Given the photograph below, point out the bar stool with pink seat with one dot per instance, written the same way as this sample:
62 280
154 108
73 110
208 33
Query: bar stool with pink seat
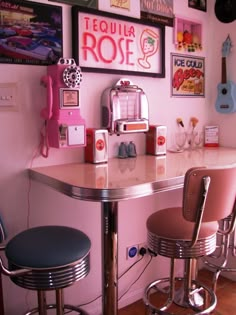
189 233
224 257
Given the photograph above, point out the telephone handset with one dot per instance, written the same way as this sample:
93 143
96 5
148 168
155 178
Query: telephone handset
46 113
64 126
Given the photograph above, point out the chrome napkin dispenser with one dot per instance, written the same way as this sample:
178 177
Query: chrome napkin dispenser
124 108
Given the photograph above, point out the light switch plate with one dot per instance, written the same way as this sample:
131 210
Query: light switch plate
8 96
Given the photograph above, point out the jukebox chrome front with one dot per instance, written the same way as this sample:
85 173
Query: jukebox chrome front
124 108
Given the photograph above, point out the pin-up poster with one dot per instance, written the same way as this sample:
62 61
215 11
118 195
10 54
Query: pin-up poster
188 76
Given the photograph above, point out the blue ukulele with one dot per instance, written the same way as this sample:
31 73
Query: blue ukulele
226 99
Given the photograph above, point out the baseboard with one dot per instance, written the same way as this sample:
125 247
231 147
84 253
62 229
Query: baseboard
131 297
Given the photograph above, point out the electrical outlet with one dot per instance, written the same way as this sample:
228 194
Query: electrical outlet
142 245
132 252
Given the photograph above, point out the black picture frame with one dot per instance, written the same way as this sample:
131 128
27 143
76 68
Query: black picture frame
198 4
33 35
108 43
85 3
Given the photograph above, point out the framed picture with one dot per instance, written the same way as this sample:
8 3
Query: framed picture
125 7
198 4
187 76
109 43
158 11
85 3
30 33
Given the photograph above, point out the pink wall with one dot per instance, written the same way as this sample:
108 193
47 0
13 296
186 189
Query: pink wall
20 138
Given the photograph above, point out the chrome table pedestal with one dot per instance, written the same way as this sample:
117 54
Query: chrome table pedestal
110 257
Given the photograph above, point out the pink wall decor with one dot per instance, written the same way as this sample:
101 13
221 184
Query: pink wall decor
187 35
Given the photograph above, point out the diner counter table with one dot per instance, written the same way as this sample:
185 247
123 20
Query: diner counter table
123 179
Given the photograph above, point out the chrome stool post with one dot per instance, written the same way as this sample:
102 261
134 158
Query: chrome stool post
60 302
42 306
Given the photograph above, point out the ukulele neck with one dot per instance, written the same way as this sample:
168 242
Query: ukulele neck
223 71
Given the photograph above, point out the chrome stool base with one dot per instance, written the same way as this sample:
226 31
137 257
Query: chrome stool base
196 300
59 306
53 306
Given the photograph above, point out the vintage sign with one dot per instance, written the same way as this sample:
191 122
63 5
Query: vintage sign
104 42
125 4
129 8
158 11
199 5
188 75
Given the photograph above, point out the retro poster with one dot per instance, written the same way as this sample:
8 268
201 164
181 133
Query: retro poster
188 76
30 33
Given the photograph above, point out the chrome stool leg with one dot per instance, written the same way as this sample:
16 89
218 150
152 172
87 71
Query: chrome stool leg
60 302
188 294
42 304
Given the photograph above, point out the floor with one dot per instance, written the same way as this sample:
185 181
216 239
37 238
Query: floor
226 299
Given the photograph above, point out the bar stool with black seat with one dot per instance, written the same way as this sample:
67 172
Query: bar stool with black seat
48 258
188 233
224 257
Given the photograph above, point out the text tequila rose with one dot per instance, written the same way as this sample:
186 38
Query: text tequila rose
108 41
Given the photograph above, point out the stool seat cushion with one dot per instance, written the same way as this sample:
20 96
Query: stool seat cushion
47 247
169 223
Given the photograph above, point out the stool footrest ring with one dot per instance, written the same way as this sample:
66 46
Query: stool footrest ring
199 289
53 306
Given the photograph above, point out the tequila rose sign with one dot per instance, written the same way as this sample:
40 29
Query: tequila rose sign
105 42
